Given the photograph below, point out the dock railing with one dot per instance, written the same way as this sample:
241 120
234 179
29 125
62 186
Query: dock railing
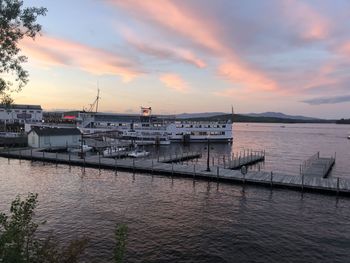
315 159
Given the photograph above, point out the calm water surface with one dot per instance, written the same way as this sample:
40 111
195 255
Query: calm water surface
184 221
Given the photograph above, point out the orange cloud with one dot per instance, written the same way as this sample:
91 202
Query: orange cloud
58 52
175 82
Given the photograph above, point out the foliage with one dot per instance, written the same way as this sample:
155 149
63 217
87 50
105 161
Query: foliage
121 234
20 244
16 22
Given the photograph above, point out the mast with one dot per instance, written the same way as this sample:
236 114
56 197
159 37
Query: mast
98 97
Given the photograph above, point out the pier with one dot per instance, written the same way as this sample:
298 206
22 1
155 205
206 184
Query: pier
249 158
175 158
316 166
335 186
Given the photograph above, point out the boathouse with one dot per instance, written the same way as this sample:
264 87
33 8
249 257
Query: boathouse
46 137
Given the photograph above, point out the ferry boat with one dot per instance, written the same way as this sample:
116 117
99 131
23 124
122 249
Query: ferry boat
154 129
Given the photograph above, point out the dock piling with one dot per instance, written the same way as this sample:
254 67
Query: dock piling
337 185
271 179
302 182
115 166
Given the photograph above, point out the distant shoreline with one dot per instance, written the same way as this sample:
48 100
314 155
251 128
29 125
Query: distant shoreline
251 119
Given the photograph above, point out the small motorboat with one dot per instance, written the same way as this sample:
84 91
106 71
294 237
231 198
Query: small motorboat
138 153
113 151
84 148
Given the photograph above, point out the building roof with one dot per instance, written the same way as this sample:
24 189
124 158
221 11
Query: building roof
48 131
21 107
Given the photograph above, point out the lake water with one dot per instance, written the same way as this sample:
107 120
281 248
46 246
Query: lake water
178 220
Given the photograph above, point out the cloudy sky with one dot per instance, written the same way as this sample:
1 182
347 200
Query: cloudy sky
192 56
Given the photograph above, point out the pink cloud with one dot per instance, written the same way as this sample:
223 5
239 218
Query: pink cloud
253 80
344 49
175 82
168 53
185 22
59 52
310 23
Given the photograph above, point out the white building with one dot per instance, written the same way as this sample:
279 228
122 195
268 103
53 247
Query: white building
18 113
43 137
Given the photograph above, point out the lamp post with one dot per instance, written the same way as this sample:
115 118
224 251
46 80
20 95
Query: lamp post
208 154
82 147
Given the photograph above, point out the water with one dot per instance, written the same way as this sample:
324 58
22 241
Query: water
286 146
184 221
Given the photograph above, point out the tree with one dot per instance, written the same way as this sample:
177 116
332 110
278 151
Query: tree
19 242
121 235
16 23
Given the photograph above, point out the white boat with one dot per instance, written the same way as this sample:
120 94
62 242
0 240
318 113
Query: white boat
85 149
10 134
113 151
138 153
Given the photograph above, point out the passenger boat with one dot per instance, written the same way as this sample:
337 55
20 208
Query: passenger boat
146 128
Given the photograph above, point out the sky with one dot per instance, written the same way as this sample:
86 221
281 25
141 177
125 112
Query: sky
180 56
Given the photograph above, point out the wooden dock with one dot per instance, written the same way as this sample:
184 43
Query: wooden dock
317 166
196 171
252 157
176 158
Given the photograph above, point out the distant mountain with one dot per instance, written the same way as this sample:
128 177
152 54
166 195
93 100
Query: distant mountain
261 119
198 115
280 116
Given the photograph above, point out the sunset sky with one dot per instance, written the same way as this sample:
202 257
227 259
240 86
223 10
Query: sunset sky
192 56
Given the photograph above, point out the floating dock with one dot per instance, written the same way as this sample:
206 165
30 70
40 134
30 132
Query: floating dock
336 186
317 166
252 157
176 158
